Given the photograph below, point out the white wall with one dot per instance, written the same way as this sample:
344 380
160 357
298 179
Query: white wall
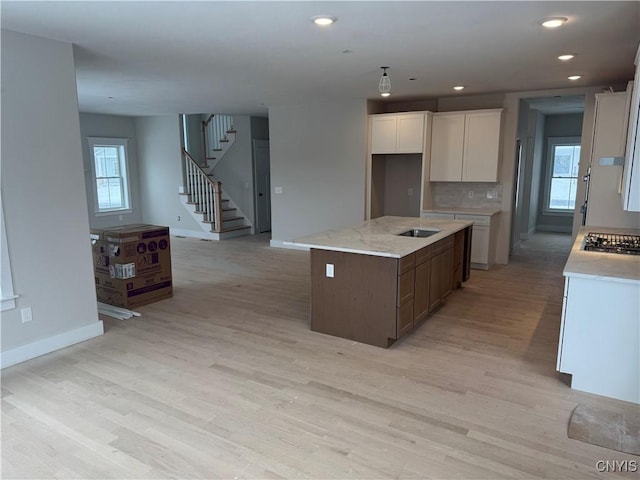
44 200
318 157
111 126
402 172
235 169
160 165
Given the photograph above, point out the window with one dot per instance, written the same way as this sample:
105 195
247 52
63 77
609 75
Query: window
562 178
7 298
110 174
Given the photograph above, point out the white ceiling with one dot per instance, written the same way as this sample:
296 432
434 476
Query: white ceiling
158 57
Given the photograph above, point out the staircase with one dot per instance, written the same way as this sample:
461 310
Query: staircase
218 135
202 195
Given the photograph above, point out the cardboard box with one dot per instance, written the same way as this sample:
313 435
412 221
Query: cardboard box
132 264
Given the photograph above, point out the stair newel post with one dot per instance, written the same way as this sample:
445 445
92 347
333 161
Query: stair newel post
217 205
210 204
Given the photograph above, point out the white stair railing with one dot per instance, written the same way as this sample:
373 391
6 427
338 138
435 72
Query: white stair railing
216 128
204 192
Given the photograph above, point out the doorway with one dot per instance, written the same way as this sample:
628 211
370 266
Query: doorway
537 176
262 185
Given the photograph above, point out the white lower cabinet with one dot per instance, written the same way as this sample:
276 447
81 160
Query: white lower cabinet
482 237
599 342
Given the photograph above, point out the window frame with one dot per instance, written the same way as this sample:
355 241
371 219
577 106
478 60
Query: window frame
122 144
553 142
7 295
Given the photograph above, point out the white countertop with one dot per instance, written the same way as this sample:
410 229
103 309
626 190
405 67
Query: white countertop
462 210
602 266
380 236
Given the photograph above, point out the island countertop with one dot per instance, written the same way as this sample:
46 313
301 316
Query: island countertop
612 267
380 237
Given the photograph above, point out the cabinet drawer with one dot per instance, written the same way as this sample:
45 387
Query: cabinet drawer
476 219
406 263
423 255
441 246
442 216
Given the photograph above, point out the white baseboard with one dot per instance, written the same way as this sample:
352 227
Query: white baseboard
285 244
51 344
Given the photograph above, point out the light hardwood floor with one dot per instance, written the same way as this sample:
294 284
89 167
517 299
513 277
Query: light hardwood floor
226 380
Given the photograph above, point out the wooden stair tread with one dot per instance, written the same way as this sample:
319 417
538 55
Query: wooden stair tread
230 219
231 229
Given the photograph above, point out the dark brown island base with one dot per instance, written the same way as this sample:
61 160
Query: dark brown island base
371 284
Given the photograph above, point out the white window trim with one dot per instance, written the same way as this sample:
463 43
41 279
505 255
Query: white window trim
121 142
8 300
551 142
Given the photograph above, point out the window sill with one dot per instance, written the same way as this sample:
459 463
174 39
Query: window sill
558 213
124 211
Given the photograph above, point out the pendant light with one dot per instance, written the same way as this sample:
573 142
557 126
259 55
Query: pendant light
384 86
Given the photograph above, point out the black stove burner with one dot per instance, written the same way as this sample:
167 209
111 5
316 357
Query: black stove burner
612 243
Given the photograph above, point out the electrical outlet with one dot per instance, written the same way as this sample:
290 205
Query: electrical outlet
410 192
27 314
470 194
179 218
277 190
120 217
492 193
329 270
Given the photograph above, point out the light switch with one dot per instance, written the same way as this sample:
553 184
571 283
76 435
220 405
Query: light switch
329 270
278 190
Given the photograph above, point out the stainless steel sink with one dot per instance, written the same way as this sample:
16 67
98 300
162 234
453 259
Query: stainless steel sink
418 232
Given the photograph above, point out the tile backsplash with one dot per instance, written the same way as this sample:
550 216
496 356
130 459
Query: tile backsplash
466 194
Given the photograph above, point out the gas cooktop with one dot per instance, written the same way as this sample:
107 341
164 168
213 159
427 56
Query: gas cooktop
612 243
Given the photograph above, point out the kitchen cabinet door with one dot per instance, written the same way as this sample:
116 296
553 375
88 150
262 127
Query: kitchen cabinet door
481 147
631 175
383 134
410 133
440 277
447 144
401 133
480 244
405 302
421 290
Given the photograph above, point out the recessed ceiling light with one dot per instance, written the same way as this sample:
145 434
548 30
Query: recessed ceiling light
324 20
552 22
566 57
575 77
459 87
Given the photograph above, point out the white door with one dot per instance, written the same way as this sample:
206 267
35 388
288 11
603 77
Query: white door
262 185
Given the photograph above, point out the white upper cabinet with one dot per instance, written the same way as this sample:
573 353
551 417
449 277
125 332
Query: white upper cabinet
397 133
465 146
631 175
447 137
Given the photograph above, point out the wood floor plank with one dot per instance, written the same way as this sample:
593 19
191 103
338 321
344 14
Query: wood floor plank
226 380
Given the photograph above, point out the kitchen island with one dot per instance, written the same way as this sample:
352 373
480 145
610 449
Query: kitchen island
373 285
599 342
